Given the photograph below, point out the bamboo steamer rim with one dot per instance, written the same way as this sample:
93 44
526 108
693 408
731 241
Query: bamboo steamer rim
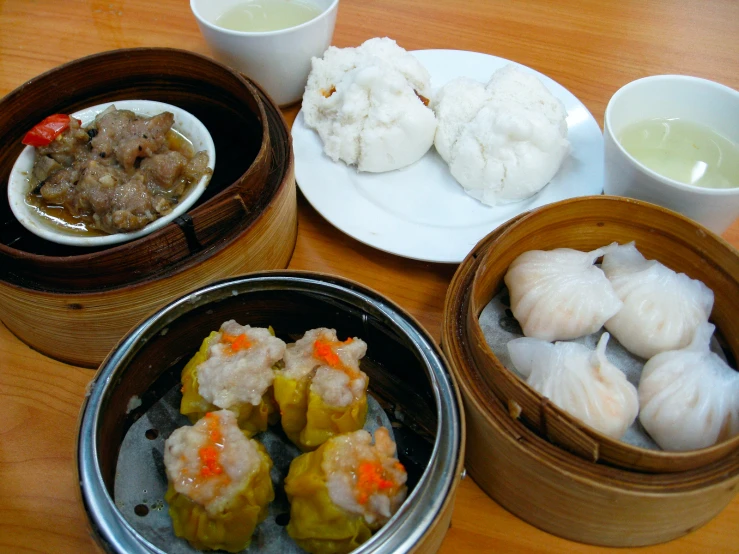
261 103
457 340
100 318
605 448
556 491
456 346
200 256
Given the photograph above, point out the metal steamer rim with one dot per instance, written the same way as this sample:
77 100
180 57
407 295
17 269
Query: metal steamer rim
419 511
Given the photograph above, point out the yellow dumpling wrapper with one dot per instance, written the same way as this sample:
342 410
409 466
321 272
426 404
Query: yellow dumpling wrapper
232 529
307 420
252 419
317 525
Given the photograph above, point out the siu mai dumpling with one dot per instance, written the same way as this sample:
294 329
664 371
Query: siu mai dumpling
690 397
578 380
560 294
344 491
233 370
321 392
662 309
219 483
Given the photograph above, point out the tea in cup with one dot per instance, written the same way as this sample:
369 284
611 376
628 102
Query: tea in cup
673 140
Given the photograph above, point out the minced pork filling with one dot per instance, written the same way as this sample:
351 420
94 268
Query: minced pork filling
238 368
363 478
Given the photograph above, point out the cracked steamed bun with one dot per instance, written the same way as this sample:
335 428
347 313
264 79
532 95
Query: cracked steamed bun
503 141
368 105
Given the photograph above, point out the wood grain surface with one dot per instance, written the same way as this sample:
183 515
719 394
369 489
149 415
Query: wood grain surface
592 47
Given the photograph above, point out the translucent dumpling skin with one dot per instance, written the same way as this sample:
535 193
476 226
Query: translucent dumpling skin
580 381
690 397
560 294
662 309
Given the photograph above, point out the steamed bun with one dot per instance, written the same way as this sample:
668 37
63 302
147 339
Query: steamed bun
503 141
368 105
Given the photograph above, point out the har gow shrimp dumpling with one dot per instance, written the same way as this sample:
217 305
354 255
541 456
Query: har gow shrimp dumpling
580 381
662 309
560 294
690 397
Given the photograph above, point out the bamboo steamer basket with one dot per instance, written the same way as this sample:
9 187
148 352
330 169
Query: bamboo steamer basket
74 303
407 374
586 224
565 489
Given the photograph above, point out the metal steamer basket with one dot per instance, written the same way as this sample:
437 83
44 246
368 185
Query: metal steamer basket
408 379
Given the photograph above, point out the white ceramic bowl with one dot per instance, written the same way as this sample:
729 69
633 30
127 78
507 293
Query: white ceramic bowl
19 184
671 96
279 61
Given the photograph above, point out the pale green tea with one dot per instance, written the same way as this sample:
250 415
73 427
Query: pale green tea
684 151
267 15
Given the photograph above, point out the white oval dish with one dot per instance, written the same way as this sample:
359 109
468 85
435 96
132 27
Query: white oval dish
18 182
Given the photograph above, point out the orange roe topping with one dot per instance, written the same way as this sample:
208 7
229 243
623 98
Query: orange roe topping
214 429
209 459
371 478
209 454
237 342
323 350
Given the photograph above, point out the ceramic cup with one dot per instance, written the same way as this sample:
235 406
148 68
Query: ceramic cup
278 60
671 96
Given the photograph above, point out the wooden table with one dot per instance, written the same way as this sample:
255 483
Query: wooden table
592 47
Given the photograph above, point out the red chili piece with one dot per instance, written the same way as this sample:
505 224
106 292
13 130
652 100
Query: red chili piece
46 131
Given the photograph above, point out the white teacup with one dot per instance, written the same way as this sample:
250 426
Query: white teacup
671 96
279 61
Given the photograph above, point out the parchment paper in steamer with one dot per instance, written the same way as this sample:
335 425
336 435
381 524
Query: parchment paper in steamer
499 326
141 481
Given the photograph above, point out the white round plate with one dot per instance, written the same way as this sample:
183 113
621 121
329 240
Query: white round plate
47 227
420 211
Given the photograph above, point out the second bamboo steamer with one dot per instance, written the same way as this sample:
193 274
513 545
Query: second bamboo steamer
74 304
549 469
